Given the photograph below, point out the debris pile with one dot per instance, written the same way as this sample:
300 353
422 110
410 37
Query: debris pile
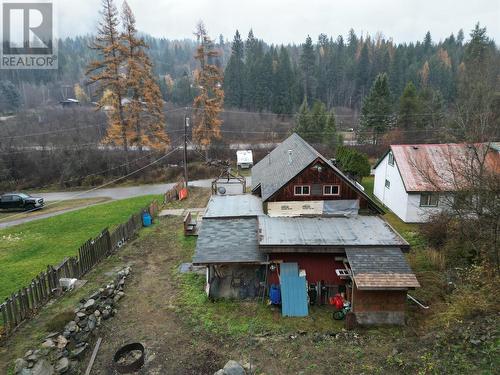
60 351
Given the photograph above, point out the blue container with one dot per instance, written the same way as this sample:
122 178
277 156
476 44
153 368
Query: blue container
275 294
147 220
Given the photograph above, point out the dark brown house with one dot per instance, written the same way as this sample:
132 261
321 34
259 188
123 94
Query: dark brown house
295 171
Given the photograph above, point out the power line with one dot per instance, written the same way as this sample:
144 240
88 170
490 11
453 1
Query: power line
50 132
103 185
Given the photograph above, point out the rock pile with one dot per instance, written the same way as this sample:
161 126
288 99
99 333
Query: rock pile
60 351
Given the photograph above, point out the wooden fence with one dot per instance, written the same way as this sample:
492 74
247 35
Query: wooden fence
27 301
173 194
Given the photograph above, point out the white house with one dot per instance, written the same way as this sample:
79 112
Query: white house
417 181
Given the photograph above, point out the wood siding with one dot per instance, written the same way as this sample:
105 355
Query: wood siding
379 300
316 180
319 267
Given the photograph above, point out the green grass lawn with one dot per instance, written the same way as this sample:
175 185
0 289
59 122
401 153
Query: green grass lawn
27 249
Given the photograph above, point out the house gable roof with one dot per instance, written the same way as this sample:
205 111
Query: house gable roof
437 167
286 161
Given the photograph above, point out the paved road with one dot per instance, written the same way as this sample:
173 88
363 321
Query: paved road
119 192
113 193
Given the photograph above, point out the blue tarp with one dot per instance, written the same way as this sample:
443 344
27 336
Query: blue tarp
293 291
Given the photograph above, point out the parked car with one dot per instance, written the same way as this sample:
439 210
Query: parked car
20 201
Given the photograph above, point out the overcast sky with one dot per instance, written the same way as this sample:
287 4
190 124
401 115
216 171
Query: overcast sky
284 21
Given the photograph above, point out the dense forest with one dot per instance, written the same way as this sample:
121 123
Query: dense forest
339 71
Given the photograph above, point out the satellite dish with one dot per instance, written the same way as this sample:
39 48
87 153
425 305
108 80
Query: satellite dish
221 190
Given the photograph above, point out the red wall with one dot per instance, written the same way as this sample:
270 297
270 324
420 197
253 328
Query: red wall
318 267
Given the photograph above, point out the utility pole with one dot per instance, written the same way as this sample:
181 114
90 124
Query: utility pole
186 125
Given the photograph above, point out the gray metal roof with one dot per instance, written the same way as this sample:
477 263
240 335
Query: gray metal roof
331 231
380 268
228 241
279 166
243 205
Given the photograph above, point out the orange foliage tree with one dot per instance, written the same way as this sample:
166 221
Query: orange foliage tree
144 110
207 105
107 72
124 71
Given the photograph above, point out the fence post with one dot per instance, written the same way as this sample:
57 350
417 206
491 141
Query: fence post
3 308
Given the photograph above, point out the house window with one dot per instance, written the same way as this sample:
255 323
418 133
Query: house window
387 184
429 200
391 158
331 190
302 190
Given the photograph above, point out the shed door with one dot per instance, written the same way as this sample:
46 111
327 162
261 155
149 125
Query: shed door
293 291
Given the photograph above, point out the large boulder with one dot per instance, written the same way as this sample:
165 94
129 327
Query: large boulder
233 368
43 367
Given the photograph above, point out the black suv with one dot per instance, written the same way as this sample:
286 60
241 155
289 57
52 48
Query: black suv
20 201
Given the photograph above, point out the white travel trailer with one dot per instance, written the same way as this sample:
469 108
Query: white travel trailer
244 159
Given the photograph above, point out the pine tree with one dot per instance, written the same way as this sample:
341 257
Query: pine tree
10 98
363 72
307 66
283 96
303 121
144 111
479 79
330 136
210 100
106 72
377 109
234 75
409 108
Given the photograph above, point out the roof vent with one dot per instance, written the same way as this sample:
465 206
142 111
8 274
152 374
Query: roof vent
290 156
415 147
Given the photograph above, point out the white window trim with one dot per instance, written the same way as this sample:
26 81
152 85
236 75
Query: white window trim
301 186
387 184
390 160
429 197
331 194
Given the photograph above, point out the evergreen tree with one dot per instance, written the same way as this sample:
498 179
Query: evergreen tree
377 109
479 79
10 99
283 96
182 92
409 108
303 121
363 72
234 76
330 136
353 162
307 66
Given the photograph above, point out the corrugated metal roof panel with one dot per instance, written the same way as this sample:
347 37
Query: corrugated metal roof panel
439 167
380 268
332 231
228 241
244 205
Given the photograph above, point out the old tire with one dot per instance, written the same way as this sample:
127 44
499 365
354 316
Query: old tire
338 315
